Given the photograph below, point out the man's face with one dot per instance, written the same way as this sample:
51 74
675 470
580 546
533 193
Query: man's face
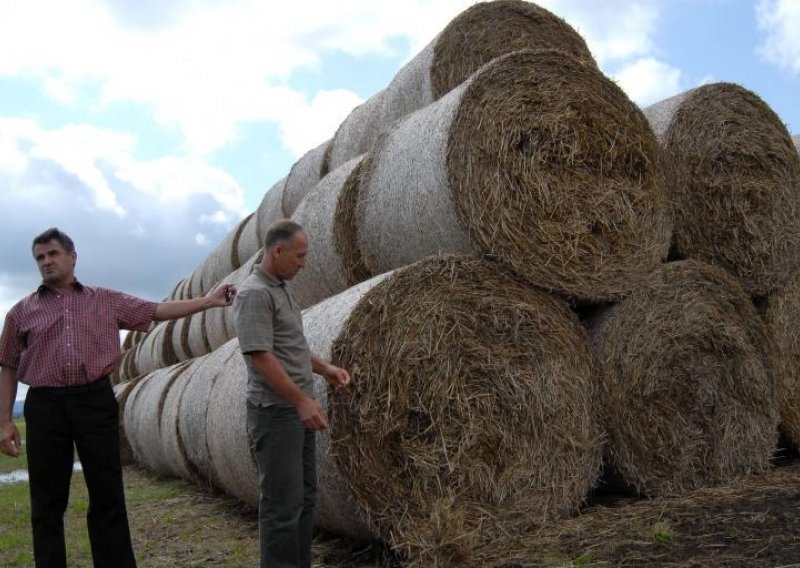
291 257
56 265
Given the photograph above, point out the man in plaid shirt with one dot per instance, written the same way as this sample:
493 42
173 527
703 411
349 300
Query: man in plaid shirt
63 341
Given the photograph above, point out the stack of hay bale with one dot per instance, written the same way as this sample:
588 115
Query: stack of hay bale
455 219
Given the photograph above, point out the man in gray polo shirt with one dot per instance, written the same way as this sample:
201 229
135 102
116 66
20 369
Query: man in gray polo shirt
282 414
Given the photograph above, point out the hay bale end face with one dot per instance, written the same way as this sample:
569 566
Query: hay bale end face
472 412
537 160
687 390
782 317
732 175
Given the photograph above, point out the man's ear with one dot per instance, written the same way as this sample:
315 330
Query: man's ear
74 256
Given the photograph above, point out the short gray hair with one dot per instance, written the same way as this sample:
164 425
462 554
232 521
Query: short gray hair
281 232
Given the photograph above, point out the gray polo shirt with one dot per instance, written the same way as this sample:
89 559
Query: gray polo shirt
269 319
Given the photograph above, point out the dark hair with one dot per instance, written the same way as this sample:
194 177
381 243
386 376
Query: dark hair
280 232
53 234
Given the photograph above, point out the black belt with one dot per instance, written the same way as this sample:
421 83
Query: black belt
99 384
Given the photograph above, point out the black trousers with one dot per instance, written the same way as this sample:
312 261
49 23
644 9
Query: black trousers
58 421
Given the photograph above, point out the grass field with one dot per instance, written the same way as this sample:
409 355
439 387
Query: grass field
754 523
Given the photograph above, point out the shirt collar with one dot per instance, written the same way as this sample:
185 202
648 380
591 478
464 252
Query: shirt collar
268 278
43 289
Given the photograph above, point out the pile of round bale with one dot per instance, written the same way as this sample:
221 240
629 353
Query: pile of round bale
538 288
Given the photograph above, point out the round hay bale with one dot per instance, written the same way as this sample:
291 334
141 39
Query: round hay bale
219 263
219 322
198 334
472 413
193 409
357 133
304 175
121 392
473 38
171 443
355 263
156 350
324 274
688 394
180 339
270 209
732 176
537 160
248 243
229 443
782 315
142 418
796 140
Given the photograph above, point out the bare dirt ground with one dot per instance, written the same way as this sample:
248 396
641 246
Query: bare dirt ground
754 523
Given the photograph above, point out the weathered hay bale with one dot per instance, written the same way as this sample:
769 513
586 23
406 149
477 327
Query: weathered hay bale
142 418
249 242
472 412
171 442
796 140
357 133
324 274
782 316
473 38
229 443
538 160
198 334
156 350
304 175
732 176
193 409
270 209
121 392
687 390
219 322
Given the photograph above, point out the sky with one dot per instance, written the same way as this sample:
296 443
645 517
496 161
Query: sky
146 129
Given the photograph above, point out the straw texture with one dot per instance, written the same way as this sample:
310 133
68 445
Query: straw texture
782 317
121 392
537 160
472 412
324 274
732 177
688 393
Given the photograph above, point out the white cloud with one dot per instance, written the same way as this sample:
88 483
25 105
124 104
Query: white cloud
648 80
781 20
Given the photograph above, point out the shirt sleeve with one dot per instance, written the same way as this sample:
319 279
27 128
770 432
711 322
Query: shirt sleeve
132 313
253 313
10 344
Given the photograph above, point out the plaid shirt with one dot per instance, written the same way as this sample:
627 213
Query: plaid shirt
55 340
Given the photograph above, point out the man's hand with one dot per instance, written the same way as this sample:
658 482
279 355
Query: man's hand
221 296
9 439
337 377
311 414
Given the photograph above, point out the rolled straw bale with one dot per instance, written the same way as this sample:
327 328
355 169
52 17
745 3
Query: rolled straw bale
538 160
180 339
156 350
732 177
142 418
193 409
473 38
229 443
249 241
270 209
687 390
198 334
304 175
171 442
219 322
782 317
121 392
357 133
324 274
472 413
